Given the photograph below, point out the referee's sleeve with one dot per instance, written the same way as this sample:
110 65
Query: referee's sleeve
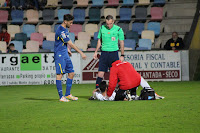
99 34
121 34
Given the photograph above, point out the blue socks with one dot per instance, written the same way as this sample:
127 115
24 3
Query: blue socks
59 87
98 81
68 86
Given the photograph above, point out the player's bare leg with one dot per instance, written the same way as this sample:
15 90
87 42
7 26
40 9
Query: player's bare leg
59 76
71 75
101 74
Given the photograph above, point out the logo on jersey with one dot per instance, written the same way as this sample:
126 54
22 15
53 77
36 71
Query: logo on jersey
113 38
63 35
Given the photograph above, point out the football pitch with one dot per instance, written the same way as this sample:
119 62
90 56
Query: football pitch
32 109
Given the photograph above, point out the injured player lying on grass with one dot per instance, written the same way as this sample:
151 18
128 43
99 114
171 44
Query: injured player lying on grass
128 79
101 94
118 94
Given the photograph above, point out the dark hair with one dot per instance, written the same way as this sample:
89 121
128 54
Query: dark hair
11 44
68 17
109 17
175 32
103 86
4 27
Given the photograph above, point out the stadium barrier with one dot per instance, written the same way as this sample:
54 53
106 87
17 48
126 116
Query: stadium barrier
194 52
39 68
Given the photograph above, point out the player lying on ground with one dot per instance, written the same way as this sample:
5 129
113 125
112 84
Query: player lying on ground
118 94
127 78
63 62
101 93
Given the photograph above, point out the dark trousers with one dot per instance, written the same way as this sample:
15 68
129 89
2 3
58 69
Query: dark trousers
121 94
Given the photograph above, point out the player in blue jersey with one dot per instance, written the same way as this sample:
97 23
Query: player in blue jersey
63 62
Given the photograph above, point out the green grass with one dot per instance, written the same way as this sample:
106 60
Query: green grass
25 109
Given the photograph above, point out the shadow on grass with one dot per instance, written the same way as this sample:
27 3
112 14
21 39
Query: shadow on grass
41 99
84 97
47 99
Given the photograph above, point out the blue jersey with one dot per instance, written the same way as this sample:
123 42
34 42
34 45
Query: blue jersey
61 39
63 62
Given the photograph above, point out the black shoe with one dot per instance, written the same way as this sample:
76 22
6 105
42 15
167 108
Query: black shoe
91 98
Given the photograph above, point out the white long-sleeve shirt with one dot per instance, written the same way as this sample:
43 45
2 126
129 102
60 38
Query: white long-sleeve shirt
99 96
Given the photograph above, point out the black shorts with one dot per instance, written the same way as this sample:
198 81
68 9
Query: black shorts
121 94
106 60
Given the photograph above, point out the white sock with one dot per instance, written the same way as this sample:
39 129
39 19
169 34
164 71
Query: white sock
144 83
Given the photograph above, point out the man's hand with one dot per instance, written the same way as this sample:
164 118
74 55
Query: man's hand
83 56
121 58
107 97
69 52
125 99
95 90
95 56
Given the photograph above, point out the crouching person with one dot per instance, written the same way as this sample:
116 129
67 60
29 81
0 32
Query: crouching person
101 94
127 78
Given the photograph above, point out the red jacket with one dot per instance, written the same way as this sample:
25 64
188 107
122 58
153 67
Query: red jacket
125 73
5 37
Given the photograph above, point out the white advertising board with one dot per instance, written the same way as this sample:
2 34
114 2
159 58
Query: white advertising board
33 69
152 65
39 68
